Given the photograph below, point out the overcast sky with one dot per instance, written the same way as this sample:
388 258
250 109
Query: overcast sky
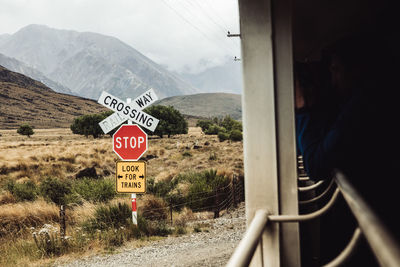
184 35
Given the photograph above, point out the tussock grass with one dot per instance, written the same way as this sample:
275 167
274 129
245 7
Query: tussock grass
20 252
7 198
18 217
166 176
153 208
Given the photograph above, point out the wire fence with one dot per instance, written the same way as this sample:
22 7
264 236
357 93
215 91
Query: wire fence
221 199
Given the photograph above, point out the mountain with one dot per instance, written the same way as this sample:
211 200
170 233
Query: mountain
89 63
206 105
24 100
4 37
226 78
20 67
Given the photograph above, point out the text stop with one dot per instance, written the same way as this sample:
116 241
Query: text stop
129 142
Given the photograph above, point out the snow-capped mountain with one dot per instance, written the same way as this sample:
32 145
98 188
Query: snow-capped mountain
88 63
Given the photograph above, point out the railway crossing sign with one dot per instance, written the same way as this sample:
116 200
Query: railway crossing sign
128 111
130 142
131 177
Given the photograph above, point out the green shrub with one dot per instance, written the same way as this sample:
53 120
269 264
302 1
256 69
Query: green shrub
25 129
222 136
89 124
226 123
159 228
25 191
150 185
142 225
95 190
204 124
201 194
186 154
106 217
113 238
236 135
230 124
176 199
202 188
180 230
73 199
143 228
171 120
215 129
154 208
50 244
162 188
55 190
133 231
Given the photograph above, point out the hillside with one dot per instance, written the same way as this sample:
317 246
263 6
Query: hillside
89 63
20 67
24 100
206 105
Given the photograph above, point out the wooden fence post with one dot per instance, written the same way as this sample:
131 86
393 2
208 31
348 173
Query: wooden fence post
216 209
234 197
62 221
170 209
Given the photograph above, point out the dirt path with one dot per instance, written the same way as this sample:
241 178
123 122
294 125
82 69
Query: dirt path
212 248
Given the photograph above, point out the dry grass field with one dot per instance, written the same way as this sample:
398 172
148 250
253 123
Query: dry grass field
57 153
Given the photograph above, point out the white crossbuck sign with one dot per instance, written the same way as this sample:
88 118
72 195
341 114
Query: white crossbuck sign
132 111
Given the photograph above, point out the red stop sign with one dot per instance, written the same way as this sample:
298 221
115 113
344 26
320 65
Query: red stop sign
130 142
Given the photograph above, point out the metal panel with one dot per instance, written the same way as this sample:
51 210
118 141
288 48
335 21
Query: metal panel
260 159
286 141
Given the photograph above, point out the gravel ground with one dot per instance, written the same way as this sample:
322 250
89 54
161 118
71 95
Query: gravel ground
212 248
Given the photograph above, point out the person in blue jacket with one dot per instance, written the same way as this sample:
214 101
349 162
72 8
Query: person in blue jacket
349 123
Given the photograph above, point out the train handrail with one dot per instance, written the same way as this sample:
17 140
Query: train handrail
383 245
311 187
320 196
385 248
245 250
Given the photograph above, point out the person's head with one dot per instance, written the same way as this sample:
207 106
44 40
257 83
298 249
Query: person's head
310 79
358 62
348 65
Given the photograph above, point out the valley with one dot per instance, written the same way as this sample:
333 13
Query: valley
61 156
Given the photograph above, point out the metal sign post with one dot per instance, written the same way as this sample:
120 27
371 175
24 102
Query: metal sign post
133 195
134 212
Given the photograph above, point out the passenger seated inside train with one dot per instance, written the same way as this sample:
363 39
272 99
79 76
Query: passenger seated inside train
347 119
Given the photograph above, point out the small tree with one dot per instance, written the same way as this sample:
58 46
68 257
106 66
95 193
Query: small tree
230 124
222 136
236 135
171 120
204 124
55 190
89 124
25 129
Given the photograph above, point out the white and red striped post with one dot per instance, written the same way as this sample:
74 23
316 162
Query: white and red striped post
133 196
134 212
